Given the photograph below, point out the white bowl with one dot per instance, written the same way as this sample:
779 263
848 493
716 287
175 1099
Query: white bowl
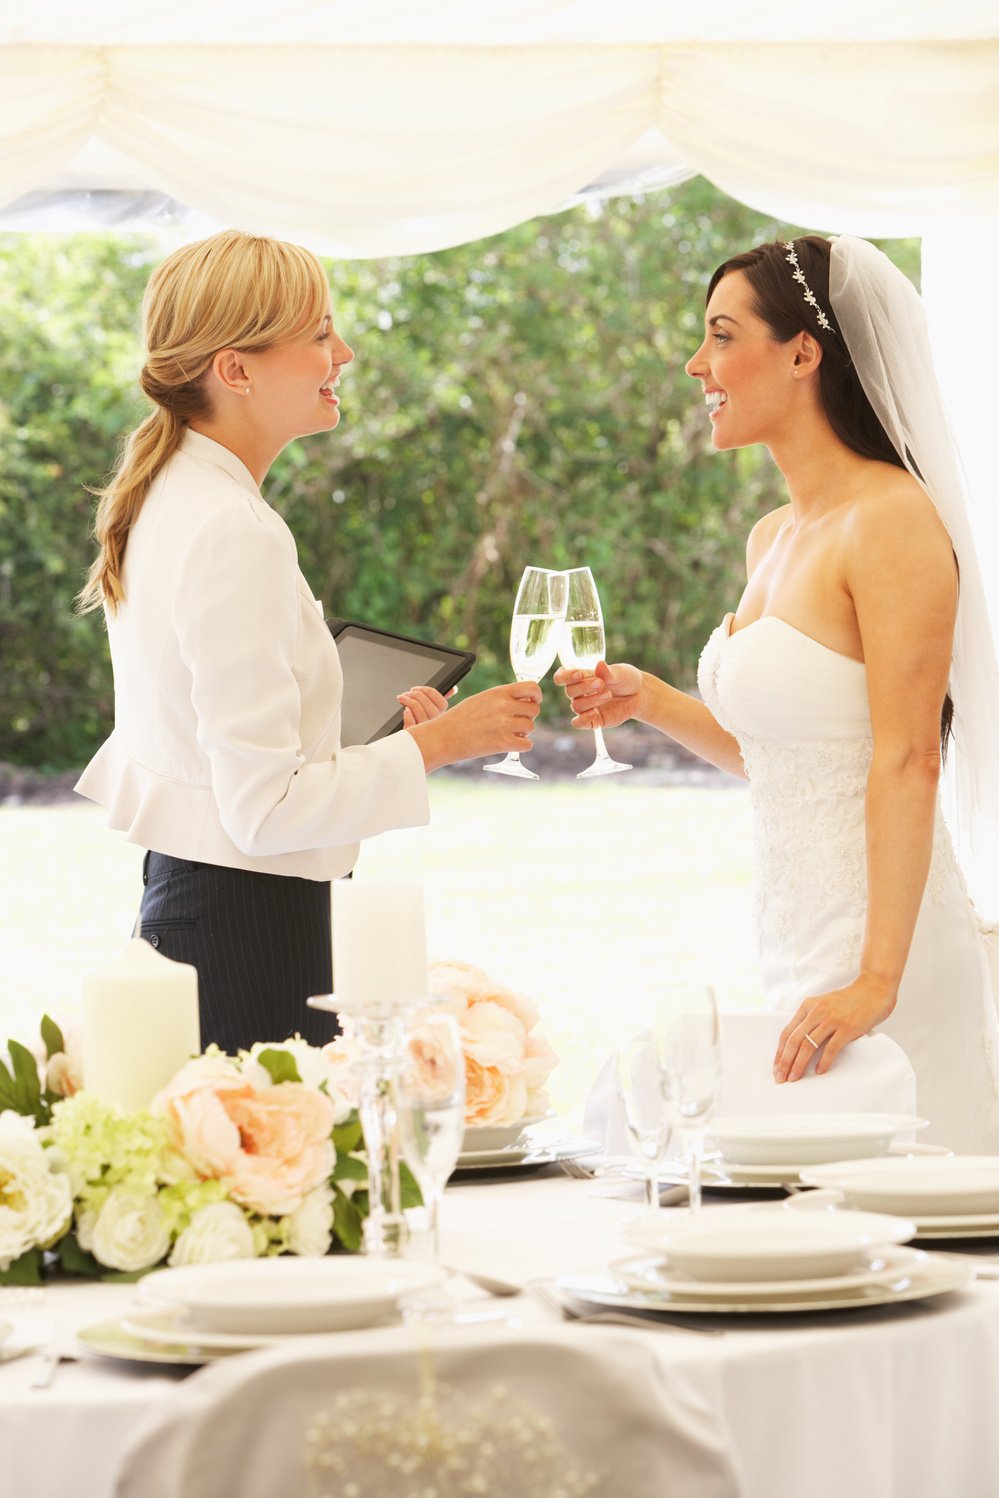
288 1294
481 1138
918 1186
808 1138
779 1245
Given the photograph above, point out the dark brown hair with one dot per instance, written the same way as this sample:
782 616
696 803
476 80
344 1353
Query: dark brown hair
779 300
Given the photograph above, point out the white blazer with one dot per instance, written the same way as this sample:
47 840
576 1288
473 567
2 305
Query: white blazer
226 745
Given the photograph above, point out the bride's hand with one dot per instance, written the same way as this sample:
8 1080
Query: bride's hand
823 1026
604 697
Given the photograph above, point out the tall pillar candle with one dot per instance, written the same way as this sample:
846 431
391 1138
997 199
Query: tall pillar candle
140 1024
379 944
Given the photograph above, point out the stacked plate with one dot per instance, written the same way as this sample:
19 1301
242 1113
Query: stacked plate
513 1146
771 1149
764 1260
195 1313
946 1196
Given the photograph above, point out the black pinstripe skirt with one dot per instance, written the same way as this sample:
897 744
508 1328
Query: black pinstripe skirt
261 944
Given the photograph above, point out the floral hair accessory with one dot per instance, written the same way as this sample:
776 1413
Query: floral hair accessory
799 275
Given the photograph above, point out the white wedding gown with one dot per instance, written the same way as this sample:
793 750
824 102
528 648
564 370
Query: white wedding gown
800 714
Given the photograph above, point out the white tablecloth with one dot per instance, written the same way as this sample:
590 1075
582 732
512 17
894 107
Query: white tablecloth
895 1403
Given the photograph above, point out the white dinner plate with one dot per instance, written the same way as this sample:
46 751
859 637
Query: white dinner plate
529 1159
173 1328
337 1293
111 1340
760 1243
651 1275
807 1138
951 1185
936 1276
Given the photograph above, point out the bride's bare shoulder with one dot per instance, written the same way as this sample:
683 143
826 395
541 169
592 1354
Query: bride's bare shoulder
762 536
890 503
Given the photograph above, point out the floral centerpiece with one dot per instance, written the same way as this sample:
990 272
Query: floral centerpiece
507 1060
237 1157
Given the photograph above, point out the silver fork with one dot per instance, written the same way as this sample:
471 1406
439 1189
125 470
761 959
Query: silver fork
545 1292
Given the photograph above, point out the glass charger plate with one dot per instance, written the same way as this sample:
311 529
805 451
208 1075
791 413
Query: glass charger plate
109 1339
649 1274
523 1162
937 1276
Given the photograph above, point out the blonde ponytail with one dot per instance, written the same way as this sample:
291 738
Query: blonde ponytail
234 290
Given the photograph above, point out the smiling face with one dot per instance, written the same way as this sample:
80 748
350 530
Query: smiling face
293 382
749 379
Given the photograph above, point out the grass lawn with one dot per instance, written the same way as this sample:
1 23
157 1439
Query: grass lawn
584 896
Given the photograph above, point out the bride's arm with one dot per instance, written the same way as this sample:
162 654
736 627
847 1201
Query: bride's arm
900 573
613 694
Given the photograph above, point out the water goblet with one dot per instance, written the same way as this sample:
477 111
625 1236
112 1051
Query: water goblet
582 643
688 1047
640 1092
537 613
431 1112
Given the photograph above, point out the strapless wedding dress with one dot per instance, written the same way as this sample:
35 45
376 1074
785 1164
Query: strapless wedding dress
800 714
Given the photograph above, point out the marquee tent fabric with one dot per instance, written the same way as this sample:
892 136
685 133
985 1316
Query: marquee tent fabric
393 128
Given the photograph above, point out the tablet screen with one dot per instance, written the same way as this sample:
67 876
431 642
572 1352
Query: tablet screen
377 666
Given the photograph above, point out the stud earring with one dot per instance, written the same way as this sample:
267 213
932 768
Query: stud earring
247 390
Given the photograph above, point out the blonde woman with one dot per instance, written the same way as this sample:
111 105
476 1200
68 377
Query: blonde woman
225 760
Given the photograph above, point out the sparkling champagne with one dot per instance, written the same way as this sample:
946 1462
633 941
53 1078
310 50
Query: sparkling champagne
582 642
533 644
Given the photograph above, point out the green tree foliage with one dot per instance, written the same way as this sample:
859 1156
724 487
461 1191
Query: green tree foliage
517 400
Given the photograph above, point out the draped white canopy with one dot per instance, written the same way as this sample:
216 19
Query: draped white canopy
397 127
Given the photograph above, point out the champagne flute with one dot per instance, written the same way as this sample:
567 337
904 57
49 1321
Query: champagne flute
688 1045
581 643
431 1109
639 1089
534 634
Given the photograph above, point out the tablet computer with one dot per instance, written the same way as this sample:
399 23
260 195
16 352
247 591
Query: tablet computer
379 664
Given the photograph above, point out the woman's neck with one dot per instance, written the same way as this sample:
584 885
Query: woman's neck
820 471
256 450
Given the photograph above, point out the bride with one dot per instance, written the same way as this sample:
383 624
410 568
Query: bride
858 659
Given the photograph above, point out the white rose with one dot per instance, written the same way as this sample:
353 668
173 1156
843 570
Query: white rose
36 1202
310 1226
219 1231
130 1232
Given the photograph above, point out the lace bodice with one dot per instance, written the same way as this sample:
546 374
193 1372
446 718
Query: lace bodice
801 716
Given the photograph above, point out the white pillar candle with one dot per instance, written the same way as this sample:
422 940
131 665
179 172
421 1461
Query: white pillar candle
140 1024
379 943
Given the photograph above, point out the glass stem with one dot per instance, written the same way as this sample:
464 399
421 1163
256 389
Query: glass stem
434 1225
694 1146
652 1189
601 747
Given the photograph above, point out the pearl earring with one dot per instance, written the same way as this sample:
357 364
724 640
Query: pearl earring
247 390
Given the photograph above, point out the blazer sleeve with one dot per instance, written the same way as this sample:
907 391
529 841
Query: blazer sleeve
238 618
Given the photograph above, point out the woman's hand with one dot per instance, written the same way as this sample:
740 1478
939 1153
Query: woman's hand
421 704
824 1026
604 697
492 722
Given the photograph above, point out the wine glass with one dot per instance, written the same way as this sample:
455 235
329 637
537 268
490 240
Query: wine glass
639 1089
581 643
688 1046
534 630
431 1109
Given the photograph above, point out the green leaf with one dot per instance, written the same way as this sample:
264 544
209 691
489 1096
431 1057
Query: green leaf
9 1096
347 1136
75 1260
410 1192
27 1270
280 1064
350 1168
26 1076
346 1222
52 1036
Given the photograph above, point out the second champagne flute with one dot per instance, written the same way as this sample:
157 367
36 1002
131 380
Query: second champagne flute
689 1054
581 643
534 635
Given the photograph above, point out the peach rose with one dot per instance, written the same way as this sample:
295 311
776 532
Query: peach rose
271 1145
492 1096
494 1036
